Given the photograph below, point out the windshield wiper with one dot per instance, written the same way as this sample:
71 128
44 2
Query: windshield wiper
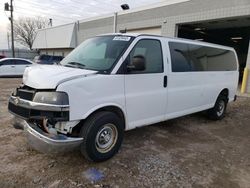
75 65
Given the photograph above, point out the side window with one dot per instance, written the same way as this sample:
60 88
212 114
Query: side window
179 57
192 57
8 62
220 60
203 58
151 51
22 62
197 57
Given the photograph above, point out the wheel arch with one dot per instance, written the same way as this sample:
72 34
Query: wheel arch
224 92
117 109
213 112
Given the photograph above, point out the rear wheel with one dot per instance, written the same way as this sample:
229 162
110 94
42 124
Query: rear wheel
102 136
219 109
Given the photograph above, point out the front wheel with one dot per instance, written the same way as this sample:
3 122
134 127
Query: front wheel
102 136
219 109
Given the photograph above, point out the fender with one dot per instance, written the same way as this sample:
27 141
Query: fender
92 110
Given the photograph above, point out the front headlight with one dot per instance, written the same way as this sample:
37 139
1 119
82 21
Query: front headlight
58 98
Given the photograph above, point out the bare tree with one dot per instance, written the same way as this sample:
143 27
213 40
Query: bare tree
25 29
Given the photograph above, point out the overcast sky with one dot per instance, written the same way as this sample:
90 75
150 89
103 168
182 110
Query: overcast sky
63 11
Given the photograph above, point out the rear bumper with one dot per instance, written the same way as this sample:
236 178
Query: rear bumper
48 143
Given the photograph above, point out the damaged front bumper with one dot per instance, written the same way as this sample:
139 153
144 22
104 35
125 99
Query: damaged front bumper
27 109
48 143
34 116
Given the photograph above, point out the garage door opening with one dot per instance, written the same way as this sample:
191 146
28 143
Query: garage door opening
231 32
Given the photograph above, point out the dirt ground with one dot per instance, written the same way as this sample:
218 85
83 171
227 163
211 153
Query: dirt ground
186 152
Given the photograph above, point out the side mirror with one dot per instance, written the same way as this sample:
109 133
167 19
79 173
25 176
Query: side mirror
137 64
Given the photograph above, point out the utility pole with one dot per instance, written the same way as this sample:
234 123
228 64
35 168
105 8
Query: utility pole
8 39
12 33
8 7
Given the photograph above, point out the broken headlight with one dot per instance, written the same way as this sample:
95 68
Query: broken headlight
57 98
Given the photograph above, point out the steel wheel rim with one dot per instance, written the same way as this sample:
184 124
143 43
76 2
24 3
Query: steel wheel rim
221 108
106 138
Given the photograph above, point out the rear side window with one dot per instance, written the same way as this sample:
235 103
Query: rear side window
200 58
151 50
8 62
22 62
220 60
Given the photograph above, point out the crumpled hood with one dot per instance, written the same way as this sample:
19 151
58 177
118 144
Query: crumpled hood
50 76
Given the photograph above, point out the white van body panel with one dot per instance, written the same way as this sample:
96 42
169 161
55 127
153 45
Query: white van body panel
87 94
185 92
190 92
145 99
217 81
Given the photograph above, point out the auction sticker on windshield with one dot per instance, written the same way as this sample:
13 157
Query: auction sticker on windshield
122 38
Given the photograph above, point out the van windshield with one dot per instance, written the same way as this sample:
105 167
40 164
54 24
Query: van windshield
99 53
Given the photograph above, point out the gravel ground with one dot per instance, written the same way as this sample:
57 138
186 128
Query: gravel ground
191 151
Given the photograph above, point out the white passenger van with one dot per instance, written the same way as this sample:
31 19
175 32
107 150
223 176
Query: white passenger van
117 82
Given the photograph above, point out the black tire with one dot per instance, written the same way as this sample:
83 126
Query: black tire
96 132
219 109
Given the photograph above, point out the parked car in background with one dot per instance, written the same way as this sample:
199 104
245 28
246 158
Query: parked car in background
2 56
13 67
48 59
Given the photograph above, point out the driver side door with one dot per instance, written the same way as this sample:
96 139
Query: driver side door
145 90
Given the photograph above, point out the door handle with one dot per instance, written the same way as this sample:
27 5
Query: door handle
165 81
12 66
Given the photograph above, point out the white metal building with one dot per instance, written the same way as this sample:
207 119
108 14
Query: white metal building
59 40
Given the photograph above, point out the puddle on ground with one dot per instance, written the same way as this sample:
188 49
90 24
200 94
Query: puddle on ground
93 175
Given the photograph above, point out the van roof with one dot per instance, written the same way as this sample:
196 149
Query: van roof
171 38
